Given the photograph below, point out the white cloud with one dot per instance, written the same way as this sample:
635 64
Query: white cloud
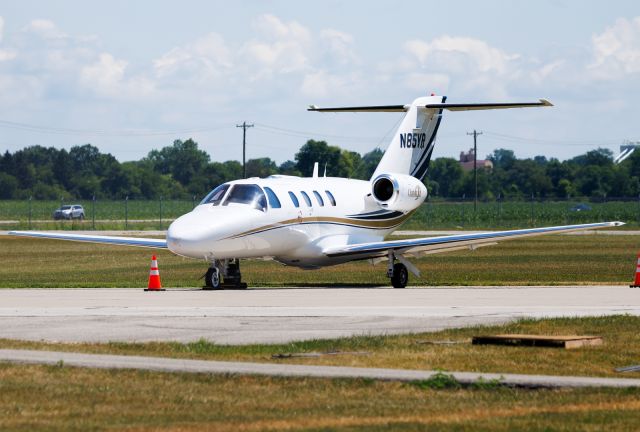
45 29
205 57
274 28
321 84
539 75
105 74
340 45
458 54
5 54
467 64
616 51
107 78
282 48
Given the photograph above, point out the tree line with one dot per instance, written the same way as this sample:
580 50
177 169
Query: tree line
183 170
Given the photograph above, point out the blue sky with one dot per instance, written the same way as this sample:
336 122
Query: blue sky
129 77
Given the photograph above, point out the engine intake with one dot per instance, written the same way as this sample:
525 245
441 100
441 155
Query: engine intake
398 192
383 189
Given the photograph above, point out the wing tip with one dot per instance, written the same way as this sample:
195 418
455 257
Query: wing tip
546 102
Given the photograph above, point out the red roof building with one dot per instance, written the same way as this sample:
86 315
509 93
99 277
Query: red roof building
466 161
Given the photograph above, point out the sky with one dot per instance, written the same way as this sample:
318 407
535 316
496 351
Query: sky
132 76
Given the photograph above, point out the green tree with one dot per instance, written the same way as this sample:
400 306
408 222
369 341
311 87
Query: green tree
184 161
347 165
261 167
447 175
368 164
502 158
317 151
289 168
8 186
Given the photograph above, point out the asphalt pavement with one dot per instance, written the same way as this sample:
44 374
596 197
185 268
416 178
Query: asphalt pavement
273 315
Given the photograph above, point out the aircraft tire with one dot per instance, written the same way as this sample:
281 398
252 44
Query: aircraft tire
400 276
212 278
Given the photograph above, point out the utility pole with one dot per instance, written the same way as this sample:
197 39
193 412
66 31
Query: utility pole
244 127
475 168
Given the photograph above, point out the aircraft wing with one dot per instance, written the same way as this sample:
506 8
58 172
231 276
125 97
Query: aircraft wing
430 245
89 238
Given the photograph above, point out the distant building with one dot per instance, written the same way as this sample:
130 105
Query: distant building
466 161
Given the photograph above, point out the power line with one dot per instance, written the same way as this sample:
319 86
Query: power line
475 168
244 127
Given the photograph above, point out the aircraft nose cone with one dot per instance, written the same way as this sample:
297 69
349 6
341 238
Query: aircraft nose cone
185 237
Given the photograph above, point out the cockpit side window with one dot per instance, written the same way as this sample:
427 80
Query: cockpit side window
294 199
247 194
274 202
215 196
306 198
319 198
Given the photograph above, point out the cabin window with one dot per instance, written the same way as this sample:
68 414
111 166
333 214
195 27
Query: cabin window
294 199
331 198
319 198
247 194
215 196
306 198
274 202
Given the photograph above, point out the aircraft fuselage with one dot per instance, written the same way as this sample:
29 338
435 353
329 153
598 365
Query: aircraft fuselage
293 229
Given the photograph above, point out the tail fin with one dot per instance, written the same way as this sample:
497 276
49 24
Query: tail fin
411 147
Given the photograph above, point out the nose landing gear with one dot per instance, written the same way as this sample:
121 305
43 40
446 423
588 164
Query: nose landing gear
224 274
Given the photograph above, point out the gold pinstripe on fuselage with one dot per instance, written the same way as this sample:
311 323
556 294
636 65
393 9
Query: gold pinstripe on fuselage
369 224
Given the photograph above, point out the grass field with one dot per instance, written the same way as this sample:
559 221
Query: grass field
417 351
432 215
554 260
63 398
66 398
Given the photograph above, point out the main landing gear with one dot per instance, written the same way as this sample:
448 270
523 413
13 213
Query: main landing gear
397 272
224 274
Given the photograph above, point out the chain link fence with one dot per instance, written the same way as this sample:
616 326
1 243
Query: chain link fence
459 213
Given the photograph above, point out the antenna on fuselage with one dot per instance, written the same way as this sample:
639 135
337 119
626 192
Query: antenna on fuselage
325 170
315 170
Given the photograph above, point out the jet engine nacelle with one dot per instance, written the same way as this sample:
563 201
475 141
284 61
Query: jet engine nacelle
398 192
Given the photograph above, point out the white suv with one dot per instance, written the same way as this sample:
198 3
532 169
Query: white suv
74 211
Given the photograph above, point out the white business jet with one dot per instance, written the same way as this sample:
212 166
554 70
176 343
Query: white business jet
321 221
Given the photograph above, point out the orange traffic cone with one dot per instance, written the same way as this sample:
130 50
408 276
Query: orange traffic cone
154 276
636 282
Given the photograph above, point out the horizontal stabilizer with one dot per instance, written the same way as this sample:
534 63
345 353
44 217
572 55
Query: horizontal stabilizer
378 108
488 106
447 106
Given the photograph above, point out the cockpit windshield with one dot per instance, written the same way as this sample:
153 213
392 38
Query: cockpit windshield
215 196
247 194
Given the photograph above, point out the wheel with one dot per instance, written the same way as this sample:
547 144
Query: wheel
81 217
400 276
212 278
